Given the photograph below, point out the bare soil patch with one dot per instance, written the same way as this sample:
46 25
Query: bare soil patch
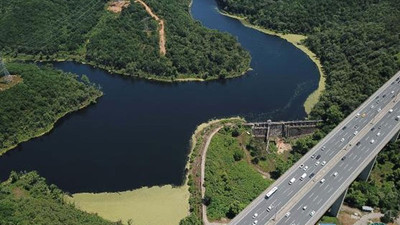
18 193
282 146
118 6
7 82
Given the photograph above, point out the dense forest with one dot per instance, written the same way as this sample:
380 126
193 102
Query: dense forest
34 105
28 199
125 42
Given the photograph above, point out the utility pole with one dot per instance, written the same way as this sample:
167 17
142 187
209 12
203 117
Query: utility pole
3 69
4 72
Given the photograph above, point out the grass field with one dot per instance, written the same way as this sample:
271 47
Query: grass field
296 40
231 182
164 205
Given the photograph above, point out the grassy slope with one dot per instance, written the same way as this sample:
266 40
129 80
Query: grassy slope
27 199
230 184
31 108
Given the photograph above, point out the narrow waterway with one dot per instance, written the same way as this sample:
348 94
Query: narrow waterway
138 133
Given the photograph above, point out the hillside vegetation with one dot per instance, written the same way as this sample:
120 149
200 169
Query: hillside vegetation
125 42
31 107
231 182
27 199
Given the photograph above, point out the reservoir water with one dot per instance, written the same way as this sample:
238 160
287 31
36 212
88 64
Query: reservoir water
138 133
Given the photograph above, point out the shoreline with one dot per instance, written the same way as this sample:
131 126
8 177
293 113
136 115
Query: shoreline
75 59
294 39
94 202
51 126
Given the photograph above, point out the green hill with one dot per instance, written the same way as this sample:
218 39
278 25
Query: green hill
126 42
31 107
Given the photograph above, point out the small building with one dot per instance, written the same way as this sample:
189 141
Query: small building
367 208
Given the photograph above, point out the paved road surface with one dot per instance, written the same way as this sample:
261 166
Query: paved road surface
355 128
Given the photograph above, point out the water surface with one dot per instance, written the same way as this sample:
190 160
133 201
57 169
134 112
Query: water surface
138 133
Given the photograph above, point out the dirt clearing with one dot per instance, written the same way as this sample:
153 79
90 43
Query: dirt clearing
118 6
7 82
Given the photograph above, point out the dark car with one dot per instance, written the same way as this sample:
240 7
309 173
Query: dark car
358 143
311 175
344 157
372 129
318 156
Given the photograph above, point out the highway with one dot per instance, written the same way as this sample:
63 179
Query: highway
352 139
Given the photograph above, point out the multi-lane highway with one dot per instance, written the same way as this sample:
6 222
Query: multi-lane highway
338 159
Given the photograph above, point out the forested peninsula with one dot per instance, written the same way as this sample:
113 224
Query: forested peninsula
358 43
31 107
125 42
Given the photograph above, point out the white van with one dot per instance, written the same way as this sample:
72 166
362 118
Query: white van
303 176
291 181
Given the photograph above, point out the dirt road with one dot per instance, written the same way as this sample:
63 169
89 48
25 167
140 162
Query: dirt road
161 31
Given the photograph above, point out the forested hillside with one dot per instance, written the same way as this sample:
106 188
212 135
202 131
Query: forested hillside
32 107
27 199
358 43
125 42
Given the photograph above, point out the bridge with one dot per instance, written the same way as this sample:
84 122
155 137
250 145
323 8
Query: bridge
318 182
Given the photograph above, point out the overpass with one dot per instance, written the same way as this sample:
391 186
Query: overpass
318 182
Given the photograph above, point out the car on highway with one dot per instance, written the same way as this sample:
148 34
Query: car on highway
358 143
269 208
323 148
397 118
322 181
304 207
303 176
313 156
255 215
335 174
323 163
390 110
379 109
255 222
301 166
291 181
372 141
372 129
344 157
341 140
311 175
378 134
312 213
318 156
356 132
317 163
305 168
287 214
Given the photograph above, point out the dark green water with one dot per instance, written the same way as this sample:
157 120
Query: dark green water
138 133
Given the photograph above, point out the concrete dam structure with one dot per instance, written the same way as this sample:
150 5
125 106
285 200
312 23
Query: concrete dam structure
285 129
